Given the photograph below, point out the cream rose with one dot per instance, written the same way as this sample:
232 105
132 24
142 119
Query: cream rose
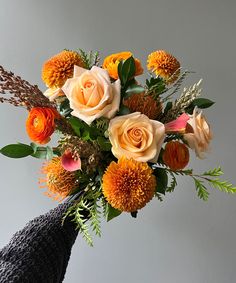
91 94
136 136
53 93
198 133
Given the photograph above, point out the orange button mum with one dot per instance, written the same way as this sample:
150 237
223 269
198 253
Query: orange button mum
40 124
60 67
112 61
128 185
176 155
164 64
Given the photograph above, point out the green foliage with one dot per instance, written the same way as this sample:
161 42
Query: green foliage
215 172
162 180
86 211
133 89
104 144
173 183
201 189
83 130
111 212
64 108
176 86
123 110
18 150
90 59
223 186
126 70
156 86
201 103
42 152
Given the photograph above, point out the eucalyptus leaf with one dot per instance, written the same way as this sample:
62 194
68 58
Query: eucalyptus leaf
19 150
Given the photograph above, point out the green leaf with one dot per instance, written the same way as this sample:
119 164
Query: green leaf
126 70
83 130
201 189
162 180
104 144
17 150
42 152
201 103
173 183
111 212
123 110
133 89
168 107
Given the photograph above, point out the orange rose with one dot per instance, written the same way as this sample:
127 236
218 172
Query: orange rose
176 155
112 61
40 124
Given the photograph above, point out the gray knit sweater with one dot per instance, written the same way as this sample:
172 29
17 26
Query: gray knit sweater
39 253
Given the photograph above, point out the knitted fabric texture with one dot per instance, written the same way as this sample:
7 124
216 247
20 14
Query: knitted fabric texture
40 252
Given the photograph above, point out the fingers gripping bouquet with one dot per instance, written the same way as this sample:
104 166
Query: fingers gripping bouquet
120 143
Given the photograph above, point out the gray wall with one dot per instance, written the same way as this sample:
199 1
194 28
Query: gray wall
181 240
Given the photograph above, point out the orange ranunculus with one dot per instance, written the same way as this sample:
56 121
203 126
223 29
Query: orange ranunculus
176 155
112 61
40 124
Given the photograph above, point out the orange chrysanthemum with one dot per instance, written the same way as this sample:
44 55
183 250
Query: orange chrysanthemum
60 67
164 64
59 182
112 61
128 185
145 104
40 124
176 155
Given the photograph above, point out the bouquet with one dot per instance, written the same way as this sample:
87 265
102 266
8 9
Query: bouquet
120 143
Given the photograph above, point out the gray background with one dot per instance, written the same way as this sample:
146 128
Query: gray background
182 239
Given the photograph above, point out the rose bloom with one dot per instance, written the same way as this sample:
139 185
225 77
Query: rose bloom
40 124
112 61
136 136
91 94
53 93
198 133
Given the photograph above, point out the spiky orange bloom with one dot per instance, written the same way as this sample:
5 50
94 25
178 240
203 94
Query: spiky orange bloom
176 155
112 61
164 64
128 185
146 104
60 67
59 182
40 124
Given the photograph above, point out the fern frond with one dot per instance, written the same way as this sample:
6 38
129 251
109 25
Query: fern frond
223 186
215 172
201 189
173 183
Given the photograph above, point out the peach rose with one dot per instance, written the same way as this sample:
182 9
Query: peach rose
198 133
136 136
91 94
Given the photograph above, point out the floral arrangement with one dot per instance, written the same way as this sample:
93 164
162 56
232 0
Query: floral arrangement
120 143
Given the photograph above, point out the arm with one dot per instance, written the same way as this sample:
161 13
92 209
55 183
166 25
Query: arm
39 253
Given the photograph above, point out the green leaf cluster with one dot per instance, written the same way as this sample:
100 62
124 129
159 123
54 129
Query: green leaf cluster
90 59
126 70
